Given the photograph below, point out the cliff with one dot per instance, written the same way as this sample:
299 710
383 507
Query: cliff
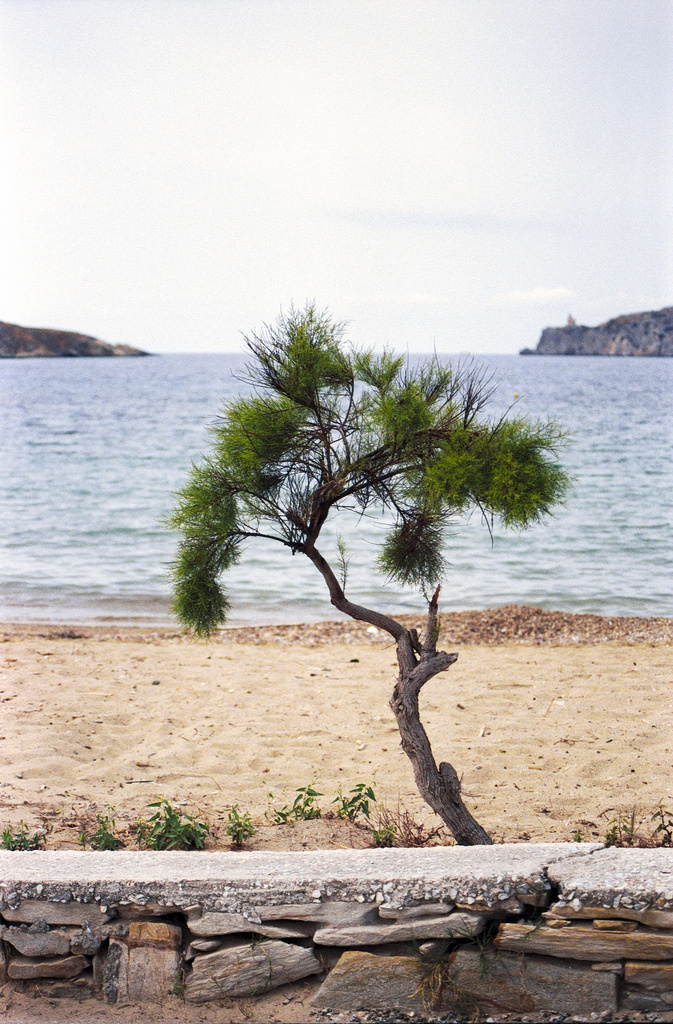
28 342
635 334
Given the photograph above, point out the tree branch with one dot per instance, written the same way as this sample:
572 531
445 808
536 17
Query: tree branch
356 611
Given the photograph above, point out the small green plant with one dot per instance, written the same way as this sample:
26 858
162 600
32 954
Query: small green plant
357 801
18 838
663 832
240 826
577 836
304 807
384 834
105 836
168 829
179 984
622 830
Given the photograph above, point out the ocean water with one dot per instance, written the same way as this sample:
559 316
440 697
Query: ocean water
93 450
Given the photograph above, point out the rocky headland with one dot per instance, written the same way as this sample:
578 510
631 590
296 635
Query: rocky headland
27 342
634 334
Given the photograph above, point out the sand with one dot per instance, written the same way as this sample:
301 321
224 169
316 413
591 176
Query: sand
557 724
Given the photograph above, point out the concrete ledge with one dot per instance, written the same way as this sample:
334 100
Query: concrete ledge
226 881
617 877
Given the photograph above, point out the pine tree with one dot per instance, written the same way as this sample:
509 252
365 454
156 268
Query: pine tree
327 430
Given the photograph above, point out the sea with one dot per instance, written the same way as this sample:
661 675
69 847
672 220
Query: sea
93 451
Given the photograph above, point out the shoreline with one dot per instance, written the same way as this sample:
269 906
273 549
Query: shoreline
518 624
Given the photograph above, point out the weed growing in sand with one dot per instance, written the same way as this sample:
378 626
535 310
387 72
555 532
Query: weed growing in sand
399 828
240 826
631 830
384 834
663 832
304 807
168 829
105 836
622 830
18 838
357 801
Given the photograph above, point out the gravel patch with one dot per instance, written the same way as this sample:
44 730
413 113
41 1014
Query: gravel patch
494 626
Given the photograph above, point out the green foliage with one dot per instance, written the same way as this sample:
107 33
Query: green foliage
168 829
384 835
304 807
631 829
329 430
342 560
239 826
622 830
663 832
18 838
356 802
502 469
412 551
105 835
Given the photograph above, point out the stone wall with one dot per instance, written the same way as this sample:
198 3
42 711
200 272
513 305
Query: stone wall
568 928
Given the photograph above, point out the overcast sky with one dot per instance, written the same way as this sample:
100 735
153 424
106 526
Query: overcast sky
455 174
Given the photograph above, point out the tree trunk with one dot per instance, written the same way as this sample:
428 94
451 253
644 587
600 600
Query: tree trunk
418 662
439 787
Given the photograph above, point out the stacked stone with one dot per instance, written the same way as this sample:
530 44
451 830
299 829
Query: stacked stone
572 929
240 968
78 950
632 949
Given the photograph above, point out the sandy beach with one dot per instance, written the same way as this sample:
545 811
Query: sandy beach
557 723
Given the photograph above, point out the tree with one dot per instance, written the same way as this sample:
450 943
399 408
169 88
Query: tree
329 430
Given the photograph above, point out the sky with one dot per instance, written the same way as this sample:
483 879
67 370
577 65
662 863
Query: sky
440 174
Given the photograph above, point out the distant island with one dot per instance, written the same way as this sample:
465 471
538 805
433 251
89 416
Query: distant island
34 342
635 334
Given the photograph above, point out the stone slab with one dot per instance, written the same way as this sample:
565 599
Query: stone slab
333 912
151 973
414 913
469 983
654 977
22 967
214 923
227 881
248 970
78 989
459 925
652 918
28 911
52 942
528 984
155 934
617 878
635 998
363 981
583 942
